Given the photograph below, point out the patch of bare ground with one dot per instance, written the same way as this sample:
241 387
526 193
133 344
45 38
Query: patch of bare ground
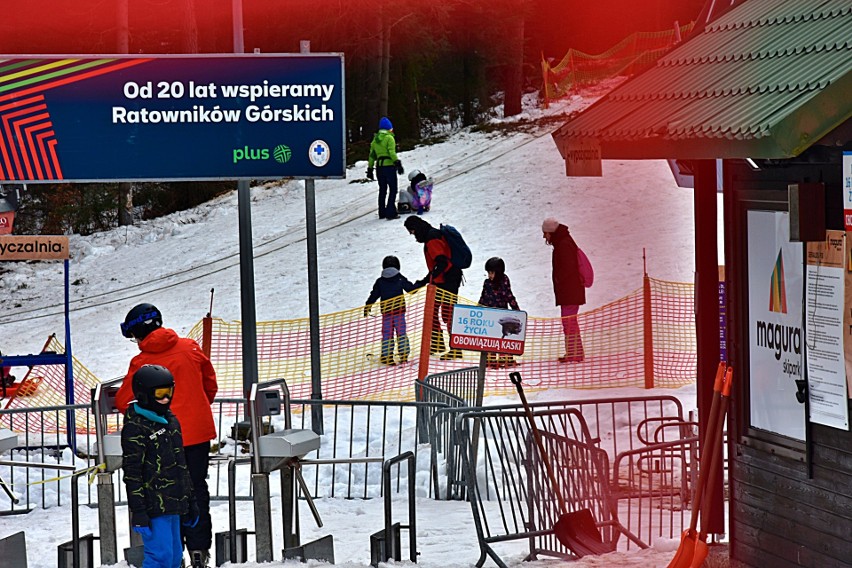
719 557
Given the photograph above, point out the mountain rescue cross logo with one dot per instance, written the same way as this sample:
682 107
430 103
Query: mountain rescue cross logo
319 153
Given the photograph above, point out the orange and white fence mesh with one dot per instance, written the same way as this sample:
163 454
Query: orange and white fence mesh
629 56
43 386
645 339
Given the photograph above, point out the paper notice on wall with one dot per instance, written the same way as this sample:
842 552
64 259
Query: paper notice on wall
824 331
847 190
847 316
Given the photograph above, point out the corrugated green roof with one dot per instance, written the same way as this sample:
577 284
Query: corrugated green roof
765 80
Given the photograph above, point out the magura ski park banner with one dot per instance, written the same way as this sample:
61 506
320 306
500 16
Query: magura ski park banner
776 342
122 118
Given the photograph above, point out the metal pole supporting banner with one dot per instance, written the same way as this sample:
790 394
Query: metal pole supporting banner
313 291
237 25
247 301
313 305
69 366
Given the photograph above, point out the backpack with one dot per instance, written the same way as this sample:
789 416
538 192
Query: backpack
587 273
423 195
460 254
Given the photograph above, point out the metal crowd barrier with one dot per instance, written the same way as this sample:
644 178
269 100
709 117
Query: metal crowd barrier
651 447
510 492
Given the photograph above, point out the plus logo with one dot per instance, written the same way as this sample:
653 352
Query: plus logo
319 153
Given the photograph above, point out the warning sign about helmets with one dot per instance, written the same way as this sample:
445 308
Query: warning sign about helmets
488 329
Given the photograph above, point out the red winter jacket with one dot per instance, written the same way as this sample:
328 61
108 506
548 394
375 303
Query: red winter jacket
195 382
567 284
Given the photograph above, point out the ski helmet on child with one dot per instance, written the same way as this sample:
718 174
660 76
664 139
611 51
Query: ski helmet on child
152 383
496 265
140 321
390 262
413 174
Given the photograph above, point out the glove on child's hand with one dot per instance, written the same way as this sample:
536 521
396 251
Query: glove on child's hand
141 524
366 311
399 169
370 174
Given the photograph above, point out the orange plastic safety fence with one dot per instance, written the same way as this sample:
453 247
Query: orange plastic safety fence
615 339
613 342
632 54
674 341
44 386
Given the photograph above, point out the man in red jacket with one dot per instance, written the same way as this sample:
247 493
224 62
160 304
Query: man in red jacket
195 389
442 274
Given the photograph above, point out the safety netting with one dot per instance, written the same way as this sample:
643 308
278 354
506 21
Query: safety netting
632 54
645 339
44 387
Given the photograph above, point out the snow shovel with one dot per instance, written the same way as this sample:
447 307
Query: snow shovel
715 463
686 551
576 531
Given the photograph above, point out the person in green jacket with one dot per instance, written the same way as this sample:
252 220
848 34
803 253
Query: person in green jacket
383 155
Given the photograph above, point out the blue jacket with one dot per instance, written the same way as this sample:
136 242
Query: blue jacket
389 287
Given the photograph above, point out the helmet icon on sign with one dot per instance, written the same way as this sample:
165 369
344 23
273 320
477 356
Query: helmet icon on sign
319 153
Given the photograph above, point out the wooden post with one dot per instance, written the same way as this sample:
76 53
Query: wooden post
707 318
648 332
426 339
206 334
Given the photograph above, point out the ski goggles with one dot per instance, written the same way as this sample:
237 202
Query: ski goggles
164 392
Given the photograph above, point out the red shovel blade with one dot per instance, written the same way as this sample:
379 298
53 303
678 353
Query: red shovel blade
701 551
686 550
578 532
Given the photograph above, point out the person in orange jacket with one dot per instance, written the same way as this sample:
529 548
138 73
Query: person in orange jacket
195 389
442 274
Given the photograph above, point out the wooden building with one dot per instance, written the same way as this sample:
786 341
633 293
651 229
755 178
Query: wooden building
758 101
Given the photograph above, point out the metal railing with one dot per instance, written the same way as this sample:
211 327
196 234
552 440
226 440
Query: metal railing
512 494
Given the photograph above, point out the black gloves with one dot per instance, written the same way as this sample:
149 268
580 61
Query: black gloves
399 168
141 524
370 174
367 309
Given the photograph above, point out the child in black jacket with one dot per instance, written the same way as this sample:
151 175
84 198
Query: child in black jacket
389 287
159 490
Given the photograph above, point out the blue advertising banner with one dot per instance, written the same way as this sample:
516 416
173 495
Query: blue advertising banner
122 118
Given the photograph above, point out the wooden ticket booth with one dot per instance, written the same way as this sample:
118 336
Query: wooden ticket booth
756 104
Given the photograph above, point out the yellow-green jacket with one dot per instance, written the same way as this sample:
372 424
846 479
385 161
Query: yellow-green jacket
382 149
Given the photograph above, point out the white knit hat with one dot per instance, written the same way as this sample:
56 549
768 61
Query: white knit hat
549 225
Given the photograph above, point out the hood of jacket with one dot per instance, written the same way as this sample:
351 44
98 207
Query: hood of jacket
159 340
390 272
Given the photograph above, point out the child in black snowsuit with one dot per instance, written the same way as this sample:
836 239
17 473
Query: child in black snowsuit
159 490
497 293
389 287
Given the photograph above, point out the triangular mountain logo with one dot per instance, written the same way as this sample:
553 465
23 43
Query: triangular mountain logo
778 291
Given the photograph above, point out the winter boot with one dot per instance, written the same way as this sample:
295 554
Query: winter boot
387 360
199 558
403 348
573 349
